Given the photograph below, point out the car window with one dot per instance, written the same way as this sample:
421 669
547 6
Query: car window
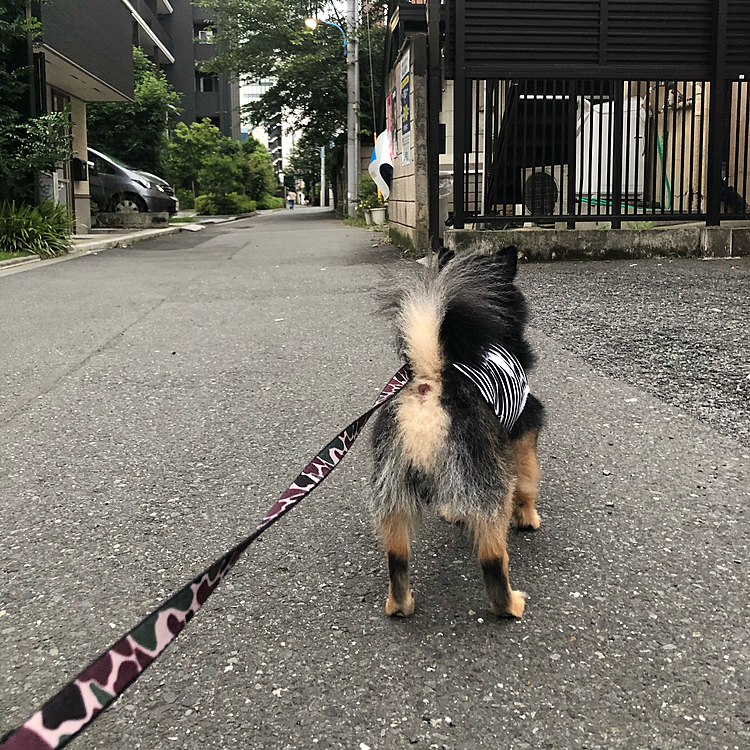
102 166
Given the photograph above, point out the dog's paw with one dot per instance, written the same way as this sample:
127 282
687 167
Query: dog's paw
400 609
527 519
515 605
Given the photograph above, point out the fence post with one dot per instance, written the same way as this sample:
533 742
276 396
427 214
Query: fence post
459 118
716 114
434 96
617 155
572 141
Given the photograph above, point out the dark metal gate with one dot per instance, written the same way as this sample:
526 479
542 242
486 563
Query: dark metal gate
599 111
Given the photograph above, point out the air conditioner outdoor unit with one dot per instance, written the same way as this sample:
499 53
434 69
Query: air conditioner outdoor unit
545 190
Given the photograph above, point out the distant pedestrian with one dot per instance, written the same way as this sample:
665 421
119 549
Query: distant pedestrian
291 198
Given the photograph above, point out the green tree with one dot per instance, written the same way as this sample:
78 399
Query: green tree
258 175
268 39
220 174
304 165
137 132
207 162
188 150
27 144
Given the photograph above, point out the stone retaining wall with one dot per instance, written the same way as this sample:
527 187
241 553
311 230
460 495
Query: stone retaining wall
598 244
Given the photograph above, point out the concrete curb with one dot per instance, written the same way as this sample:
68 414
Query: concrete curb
119 240
693 241
225 219
19 261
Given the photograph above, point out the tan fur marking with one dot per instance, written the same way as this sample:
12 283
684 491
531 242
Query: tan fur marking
423 423
404 609
491 540
396 530
448 515
517 604
527 487
420 323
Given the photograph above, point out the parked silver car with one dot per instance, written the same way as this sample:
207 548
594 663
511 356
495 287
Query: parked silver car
116 187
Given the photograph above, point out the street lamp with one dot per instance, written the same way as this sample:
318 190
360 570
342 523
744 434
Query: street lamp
312 24
352 90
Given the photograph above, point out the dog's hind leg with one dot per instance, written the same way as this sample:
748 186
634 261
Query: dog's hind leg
527 484
491 535
396 529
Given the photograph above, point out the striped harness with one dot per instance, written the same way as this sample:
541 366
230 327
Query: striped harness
502 382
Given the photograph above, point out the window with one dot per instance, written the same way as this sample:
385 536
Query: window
101 166
204 34
206 82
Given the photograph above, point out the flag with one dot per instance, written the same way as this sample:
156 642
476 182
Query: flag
381 166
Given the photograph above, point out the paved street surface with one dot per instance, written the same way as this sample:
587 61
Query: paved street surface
155 400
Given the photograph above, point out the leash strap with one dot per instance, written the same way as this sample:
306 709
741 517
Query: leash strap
64 715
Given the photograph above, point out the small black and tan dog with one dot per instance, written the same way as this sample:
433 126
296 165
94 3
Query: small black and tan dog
463 432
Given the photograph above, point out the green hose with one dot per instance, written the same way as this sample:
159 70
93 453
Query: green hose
660 147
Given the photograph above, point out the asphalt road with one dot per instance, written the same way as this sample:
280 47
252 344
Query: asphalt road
155 401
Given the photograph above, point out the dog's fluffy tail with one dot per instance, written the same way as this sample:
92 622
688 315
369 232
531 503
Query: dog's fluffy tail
456 314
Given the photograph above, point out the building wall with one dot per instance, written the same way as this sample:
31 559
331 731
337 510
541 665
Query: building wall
181 74
408 207
221 104
94 36
88 54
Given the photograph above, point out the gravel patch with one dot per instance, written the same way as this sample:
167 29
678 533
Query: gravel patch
678 329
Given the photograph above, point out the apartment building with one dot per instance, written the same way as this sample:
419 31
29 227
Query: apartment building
85 55
177 36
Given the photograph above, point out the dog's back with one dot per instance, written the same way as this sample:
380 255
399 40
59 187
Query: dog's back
439 440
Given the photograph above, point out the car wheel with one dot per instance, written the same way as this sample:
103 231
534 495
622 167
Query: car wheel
128 203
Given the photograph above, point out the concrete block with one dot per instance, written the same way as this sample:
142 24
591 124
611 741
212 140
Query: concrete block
133 220
741 242
716 242
594 244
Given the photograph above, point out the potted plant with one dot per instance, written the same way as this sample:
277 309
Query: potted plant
365 205
378 212
371 201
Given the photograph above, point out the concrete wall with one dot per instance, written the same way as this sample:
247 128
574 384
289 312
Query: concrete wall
408 202
613 244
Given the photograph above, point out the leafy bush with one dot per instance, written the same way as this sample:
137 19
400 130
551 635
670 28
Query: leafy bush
202 159
221 205
369 195
43 230
270 201
27 146
186 198
220 174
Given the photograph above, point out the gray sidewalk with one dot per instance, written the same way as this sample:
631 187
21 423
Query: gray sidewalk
158 398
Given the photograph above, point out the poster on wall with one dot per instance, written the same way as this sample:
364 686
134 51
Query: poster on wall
389 123
394 123
405 108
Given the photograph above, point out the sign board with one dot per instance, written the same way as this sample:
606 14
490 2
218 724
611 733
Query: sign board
406 108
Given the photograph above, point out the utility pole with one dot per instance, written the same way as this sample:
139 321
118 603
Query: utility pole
322 176
352 120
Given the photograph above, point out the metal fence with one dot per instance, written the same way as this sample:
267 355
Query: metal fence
545 150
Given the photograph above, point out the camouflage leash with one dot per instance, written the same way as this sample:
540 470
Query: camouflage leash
64 715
